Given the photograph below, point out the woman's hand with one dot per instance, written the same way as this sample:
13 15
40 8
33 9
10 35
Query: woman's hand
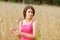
13 30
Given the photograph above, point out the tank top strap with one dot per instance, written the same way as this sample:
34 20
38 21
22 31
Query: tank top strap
21 22
32 21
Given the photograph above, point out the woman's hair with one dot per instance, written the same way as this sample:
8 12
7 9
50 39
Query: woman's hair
25 10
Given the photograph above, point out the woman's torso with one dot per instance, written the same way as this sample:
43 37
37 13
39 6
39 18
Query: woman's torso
27 29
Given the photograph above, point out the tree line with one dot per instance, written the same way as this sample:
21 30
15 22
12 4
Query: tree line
51 2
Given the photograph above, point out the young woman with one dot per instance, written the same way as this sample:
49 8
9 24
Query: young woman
28 26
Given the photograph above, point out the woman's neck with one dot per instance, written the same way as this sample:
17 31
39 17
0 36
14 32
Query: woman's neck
28 19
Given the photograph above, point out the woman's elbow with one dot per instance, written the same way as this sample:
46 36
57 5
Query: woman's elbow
34 36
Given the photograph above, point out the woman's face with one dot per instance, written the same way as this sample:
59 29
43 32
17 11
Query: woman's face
29 13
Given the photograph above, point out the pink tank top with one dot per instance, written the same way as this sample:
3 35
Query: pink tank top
27 29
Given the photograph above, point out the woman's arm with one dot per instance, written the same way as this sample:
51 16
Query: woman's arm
14 31
18 33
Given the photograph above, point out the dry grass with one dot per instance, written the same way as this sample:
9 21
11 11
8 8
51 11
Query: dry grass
47 16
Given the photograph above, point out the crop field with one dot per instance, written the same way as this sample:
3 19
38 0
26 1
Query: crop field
48 18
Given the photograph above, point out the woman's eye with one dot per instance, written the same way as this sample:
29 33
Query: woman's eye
28 11
31 12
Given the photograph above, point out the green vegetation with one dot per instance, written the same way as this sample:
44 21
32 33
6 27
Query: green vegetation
13 0
50 2
57 2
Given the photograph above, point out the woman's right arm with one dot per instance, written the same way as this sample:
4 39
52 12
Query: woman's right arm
18 34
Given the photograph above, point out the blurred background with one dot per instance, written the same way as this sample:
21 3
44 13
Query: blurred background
47 14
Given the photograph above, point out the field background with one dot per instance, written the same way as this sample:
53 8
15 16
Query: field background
48 20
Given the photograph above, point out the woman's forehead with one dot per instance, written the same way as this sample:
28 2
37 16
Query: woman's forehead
30 9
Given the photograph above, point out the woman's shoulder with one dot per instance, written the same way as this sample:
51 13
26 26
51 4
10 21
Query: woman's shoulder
20 21
35 20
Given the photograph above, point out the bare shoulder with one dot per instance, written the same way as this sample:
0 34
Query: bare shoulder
20 22
35 22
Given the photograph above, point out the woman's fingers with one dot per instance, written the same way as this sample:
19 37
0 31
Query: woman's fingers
12 30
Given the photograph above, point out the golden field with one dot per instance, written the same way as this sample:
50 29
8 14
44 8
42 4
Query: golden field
48 18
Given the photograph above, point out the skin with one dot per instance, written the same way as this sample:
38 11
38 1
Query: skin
27 20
